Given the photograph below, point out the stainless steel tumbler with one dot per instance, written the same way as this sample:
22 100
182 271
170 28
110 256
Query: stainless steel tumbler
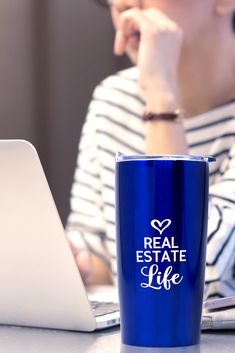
161 221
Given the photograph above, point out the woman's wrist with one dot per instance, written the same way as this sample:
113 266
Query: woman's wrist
165 137
164 124
161 99
175 116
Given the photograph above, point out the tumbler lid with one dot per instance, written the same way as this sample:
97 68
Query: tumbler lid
120 157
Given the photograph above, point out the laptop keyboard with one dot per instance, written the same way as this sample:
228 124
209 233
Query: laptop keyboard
102 308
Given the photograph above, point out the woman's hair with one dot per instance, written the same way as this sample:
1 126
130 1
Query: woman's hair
105 4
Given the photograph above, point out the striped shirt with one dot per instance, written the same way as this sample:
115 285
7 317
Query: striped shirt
114 123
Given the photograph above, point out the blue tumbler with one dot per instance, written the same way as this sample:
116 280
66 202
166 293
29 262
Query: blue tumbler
161 224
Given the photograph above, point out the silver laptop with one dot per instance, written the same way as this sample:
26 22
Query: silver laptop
40 282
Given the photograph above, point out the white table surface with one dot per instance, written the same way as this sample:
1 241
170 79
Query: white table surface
34 340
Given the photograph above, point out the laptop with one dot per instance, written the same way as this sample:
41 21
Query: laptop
40 283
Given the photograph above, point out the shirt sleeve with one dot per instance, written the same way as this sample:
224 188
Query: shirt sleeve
220 265
85 225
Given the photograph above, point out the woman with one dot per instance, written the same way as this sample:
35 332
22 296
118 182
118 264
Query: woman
177 99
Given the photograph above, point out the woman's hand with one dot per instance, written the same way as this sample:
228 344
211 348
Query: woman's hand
92 269
154 42
159 47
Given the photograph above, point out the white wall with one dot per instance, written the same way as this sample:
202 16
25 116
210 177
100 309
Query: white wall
17 95
52 53
80 55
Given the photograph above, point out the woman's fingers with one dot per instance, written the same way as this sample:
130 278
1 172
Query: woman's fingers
157 49
145 25
120 43
159 19
129 28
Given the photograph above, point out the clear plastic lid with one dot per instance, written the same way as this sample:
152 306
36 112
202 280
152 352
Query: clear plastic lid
120 157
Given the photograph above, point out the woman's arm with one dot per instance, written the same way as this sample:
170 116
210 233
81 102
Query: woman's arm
158 58
165 137
85 225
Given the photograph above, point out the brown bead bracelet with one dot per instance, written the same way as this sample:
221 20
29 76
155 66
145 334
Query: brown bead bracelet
175 116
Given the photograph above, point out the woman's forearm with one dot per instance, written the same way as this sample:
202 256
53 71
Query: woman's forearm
165 137
160 47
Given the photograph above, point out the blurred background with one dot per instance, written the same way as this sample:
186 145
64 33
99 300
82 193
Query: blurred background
52 54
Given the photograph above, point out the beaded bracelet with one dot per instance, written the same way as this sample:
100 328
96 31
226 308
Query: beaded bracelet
175 116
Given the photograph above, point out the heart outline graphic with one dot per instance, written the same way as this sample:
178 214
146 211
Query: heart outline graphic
161 230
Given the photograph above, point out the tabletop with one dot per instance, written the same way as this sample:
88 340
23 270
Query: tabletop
33 340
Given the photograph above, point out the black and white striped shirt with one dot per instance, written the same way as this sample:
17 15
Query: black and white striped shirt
114 123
